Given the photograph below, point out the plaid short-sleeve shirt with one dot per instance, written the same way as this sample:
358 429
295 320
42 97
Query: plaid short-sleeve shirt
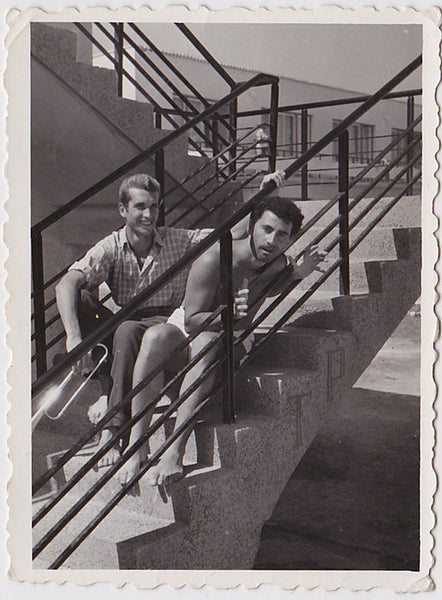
112 260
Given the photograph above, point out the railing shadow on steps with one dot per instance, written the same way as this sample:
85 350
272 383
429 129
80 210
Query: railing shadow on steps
225 310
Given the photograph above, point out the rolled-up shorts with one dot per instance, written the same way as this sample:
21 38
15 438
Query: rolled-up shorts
242 349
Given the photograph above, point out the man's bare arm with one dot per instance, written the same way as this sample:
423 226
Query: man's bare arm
294 271
67 294
201 289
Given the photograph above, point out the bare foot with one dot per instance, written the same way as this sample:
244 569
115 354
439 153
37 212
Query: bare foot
111 457
97 410
131 468
168 470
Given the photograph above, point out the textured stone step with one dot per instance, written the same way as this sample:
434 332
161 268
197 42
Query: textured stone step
267 390
100 549
406 213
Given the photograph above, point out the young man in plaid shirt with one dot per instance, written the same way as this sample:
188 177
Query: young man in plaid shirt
128 260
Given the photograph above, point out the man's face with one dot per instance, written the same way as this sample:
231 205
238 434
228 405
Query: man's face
270 236
141 212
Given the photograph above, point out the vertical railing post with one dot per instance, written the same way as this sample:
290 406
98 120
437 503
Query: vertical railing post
159 176
215 135
410 137
273 150
344 242
227 324
158 117
119 44
39 303
304 148
233 122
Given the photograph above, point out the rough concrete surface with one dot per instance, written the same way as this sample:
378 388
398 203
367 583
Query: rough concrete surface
353 501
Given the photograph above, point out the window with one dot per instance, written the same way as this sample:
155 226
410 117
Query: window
360 142
289 134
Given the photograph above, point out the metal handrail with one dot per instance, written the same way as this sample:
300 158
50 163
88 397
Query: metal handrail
142 156
318 282
206 181
216 235
133 80
218 187
213 237
328 103
125 428
324 232
107 476
133 481
207 55
44 478
353 182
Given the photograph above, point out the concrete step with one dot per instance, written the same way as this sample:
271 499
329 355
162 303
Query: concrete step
406 213
378 244
100 549
267 390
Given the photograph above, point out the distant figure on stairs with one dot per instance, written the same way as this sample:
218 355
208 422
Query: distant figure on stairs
257 260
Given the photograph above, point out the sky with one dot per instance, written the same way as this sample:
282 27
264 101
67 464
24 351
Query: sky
352 57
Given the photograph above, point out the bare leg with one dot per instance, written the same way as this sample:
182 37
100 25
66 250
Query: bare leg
126 344
158 343
170 467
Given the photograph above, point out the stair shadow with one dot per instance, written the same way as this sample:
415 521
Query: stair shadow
353 501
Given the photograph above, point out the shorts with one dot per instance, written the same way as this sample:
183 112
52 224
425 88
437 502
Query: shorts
241 350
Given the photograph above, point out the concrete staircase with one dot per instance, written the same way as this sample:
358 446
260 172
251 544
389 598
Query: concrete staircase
212 519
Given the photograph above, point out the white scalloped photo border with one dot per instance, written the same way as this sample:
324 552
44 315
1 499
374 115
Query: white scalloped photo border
16 239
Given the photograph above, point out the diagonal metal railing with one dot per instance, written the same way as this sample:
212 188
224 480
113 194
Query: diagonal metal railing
223 236
39 284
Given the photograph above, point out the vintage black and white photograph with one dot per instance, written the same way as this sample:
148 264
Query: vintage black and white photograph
225 260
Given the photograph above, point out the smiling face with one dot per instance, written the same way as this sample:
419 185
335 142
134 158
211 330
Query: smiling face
270 236
141 212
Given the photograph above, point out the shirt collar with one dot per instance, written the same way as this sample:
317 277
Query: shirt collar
157 237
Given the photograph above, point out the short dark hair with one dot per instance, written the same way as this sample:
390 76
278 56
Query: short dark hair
284 208
140 181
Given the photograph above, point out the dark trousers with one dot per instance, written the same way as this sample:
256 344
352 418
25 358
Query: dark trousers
123 344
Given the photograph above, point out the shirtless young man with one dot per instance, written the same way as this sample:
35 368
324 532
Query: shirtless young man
257 259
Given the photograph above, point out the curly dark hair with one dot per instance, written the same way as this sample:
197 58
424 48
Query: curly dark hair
140 181
284 208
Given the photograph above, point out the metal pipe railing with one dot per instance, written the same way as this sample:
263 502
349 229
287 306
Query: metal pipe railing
142 156
207 55
223 183
235 191
89 465
206 165
108 475
343 187
328 103
44 478
133 481
199 187
75 354
150 79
